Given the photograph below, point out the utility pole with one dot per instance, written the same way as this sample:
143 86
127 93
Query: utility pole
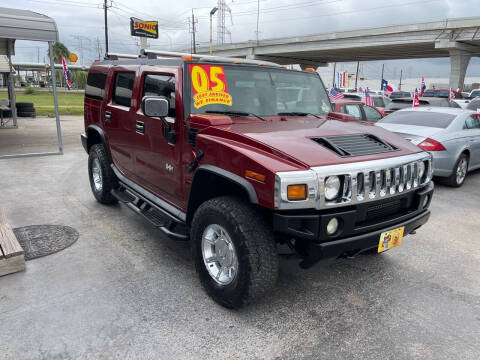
258 18
105 7
212 12
194 47
334 69
381 80
400 85
356 75
99 49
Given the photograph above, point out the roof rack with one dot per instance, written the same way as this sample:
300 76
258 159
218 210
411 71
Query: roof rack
116 56
201 57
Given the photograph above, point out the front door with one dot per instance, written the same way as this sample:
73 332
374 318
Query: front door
157 162
472 126
118 120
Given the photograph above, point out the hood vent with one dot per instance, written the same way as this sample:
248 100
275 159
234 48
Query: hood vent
355 145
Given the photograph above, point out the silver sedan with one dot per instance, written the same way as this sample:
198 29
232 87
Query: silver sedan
451 135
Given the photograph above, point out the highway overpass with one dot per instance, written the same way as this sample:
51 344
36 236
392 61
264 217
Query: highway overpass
457 38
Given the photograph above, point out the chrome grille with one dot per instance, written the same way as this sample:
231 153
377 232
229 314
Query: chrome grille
361 186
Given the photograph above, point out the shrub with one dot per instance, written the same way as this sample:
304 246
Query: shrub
29 91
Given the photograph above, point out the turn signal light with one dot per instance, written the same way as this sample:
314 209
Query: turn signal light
431 145
255 176
297 192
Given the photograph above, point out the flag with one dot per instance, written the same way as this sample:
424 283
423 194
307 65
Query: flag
451 94
334 94
416 100
66 73
423 87
459 91
387 88
368 99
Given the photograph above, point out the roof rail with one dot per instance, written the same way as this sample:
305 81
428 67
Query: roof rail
202 57
116 56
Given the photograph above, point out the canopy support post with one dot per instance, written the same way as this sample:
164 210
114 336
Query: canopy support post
11 84
55 99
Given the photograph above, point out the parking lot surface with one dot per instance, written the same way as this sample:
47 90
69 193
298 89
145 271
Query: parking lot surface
125 291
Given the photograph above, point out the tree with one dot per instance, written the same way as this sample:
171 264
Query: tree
59 50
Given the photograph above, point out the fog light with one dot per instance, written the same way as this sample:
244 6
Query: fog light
332 226
425 201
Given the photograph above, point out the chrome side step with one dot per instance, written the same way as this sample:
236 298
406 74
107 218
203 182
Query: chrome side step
173 227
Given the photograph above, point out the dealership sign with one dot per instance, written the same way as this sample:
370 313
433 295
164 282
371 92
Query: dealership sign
142 28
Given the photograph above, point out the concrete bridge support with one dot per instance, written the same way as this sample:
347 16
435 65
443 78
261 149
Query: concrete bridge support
459 60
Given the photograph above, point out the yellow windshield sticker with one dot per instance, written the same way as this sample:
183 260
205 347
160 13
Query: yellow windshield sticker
209 85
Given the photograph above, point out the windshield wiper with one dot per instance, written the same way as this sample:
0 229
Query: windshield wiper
235 113
297 113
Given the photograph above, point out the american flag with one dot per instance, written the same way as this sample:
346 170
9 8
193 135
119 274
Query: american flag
451 95
368 99
334 94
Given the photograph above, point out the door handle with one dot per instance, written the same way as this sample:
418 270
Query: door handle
140 127
108 116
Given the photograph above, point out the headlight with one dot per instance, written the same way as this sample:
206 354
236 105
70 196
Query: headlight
421 170
332 187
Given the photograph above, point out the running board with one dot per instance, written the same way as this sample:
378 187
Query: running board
173 227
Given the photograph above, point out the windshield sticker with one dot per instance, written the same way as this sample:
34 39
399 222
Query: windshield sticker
209 85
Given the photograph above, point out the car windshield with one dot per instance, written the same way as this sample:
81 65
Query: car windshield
419 118
378 102
256 90
474 104
436 93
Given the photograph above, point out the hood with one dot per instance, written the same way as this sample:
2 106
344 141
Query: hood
414 134
297 138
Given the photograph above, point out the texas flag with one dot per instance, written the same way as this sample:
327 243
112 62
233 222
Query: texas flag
387 88
416 100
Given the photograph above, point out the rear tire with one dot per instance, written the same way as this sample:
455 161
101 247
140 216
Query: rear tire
227 233
457 178
102 178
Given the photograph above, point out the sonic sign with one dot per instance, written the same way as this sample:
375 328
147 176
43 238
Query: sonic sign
142 28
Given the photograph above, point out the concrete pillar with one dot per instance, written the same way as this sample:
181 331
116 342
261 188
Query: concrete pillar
459 60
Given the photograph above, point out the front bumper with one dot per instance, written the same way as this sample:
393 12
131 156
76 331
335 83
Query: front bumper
360 225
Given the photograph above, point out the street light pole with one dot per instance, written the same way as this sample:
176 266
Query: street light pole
212 12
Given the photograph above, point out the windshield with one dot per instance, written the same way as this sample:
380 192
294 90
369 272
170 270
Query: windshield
255 90
419 118
436 93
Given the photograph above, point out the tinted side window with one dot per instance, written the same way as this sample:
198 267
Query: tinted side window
95 88
122 92
472 122
161 85
371 114
354 110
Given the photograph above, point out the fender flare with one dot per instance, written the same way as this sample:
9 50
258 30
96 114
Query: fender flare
244 183
103 138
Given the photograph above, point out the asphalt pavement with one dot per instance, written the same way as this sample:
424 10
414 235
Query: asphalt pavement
124 291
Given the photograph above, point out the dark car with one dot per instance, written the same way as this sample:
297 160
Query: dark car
400 94
358 109
208 151
404 103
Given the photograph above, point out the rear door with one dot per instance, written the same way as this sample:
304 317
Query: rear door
472 126
157 162
353 109
119 118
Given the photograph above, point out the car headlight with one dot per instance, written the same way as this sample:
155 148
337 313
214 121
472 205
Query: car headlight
332 187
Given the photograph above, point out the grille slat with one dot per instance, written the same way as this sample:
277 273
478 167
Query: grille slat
355 145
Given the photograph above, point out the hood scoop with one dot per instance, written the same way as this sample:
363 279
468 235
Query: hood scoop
355 145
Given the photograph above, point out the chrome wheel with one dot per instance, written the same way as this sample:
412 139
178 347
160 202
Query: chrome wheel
462 170
219 254
97 175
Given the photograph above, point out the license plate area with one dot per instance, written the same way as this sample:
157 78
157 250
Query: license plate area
390 239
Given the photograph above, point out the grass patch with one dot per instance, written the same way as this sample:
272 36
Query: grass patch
69 102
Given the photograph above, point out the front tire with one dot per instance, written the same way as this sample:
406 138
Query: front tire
234 251
459 172
102 177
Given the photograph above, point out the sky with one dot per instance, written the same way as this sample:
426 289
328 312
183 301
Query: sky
81 25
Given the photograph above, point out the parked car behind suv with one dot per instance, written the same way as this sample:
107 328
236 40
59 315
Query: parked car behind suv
358 109
228 154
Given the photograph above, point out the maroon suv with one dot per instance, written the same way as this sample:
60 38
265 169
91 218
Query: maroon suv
239 156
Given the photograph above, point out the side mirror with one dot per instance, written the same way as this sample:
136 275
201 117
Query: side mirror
155 106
